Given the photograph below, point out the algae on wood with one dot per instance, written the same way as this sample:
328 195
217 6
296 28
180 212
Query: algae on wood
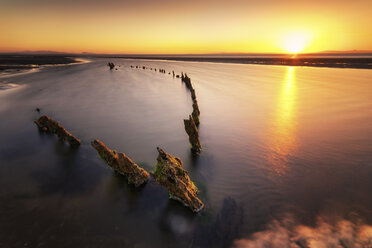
170 174
47 124
121 164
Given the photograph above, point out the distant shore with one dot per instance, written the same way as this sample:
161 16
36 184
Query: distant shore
15 63
19 63
331 62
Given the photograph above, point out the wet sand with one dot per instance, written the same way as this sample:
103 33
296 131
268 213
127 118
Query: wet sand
24 62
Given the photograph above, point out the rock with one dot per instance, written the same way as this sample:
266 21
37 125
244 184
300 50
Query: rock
111 65
170 174
47 124
195 112
192 131
121 164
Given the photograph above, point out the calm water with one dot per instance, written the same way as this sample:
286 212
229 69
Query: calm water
285 148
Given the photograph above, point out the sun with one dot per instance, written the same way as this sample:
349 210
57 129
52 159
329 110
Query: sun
296 42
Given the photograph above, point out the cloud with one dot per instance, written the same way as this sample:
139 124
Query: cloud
285 233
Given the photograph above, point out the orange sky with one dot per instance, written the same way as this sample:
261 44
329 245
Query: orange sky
169 26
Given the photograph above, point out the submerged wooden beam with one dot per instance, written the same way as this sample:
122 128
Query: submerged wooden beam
169 172
111 65
192 131
122 164
47 124
187 81
193 96
195 112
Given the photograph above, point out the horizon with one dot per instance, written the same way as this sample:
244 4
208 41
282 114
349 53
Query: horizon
49 52
167 27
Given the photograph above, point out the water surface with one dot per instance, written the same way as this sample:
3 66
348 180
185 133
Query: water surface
281 144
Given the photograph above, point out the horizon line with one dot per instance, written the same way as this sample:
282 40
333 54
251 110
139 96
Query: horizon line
51 52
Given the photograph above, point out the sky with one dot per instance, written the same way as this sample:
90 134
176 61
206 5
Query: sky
185 27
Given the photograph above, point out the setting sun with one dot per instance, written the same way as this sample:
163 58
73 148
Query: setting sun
295 43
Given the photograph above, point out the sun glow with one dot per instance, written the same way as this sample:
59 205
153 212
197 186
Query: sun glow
295 43
132 27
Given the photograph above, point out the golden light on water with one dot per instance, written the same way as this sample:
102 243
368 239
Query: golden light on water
282 139
287 99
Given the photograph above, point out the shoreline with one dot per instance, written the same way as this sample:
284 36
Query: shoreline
350 63
11 65
32 61
19 64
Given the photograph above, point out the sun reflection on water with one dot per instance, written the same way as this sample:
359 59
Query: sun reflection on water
282 138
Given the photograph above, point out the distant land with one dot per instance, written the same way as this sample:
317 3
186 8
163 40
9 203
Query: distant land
49 52
359 59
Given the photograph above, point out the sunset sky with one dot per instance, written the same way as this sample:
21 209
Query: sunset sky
169 26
